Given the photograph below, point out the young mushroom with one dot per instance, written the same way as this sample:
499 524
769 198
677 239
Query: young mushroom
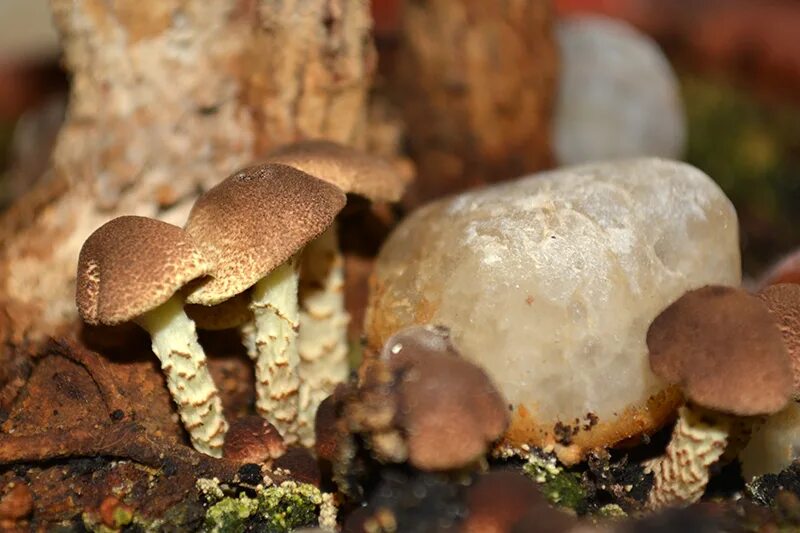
132 268
783 302
252 228
722 346
423 403
323 319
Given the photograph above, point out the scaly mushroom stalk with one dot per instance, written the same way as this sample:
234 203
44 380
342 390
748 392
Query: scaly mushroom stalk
271 339
183 361
133 269
680 475
323 328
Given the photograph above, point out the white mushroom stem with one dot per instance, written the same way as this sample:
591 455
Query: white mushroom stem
680 476
323 328
271 341
183 361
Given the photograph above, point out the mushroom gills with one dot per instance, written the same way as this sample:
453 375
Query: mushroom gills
271 341
680 475
174 340
323 328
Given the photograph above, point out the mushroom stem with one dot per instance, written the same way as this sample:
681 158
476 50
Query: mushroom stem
271 341
183 361
323 328
681 474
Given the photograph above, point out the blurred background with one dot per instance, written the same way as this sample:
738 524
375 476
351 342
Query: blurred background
737 64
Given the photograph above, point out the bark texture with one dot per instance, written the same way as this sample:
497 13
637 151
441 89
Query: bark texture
476 83
167 99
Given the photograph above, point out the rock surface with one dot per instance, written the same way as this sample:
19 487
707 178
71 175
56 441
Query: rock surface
618 95
551 282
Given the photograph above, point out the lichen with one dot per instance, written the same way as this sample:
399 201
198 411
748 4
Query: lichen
277 509
559 485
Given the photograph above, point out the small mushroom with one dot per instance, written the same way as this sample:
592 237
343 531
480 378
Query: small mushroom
132 268
783 302
427 406
722 346
252 228
323 319
252 439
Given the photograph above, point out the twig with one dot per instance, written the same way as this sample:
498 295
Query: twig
124 440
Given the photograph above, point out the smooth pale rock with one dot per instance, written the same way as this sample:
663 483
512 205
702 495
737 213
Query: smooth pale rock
618 95
551 282
774 445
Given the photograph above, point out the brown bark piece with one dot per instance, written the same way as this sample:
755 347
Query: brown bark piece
476 81
165 103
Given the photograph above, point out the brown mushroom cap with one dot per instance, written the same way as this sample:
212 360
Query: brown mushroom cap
252 439
448 408
351 170
131 265
783 301
254 221
229 314
724 348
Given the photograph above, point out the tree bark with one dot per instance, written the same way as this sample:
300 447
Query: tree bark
476 82
167 99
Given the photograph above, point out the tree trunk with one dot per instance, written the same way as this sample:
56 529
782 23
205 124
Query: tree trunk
476 81
167 99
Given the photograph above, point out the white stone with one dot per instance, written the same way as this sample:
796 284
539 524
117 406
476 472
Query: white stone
551 281
618 95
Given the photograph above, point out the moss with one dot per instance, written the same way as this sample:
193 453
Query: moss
559 485
749 147
277 509
611 510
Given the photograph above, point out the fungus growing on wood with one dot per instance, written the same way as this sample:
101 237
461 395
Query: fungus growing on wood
252 228
723 348
132 269
323 319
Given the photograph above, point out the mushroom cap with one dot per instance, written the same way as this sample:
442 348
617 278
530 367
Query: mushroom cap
447 407
254 221
251 439
131 265
502 499
231 313
724 348
783 301
351 170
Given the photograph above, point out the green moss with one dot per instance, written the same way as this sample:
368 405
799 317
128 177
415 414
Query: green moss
611 510
277 509
749 147
559 485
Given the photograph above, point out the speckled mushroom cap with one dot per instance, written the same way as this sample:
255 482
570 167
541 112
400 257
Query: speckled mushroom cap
349 169
724 348
255 220
783 301
131 265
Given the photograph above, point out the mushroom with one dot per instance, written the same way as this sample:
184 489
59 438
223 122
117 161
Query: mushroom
323 319
252 439
132 268
783 302
421 402
722 346
252 228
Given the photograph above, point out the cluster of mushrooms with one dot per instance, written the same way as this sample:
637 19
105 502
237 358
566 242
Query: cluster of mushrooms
259 252
251 246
